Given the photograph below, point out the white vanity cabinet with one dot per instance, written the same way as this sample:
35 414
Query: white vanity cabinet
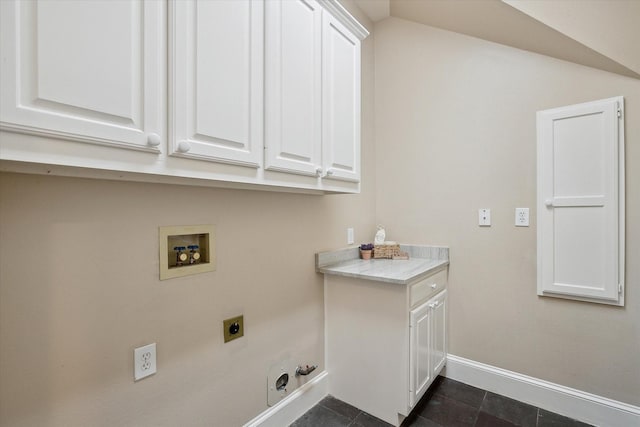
427 345
90 72
385 342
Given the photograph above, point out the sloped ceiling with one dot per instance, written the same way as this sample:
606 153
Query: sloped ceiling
611 27
603 34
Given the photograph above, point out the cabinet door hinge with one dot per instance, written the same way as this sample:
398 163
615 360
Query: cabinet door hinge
619 113
619 288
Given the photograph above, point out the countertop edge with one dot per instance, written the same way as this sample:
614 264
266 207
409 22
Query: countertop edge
435 269
329 262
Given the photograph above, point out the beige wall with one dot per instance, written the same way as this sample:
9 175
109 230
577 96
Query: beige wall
455 131
79 284
79 290
609 27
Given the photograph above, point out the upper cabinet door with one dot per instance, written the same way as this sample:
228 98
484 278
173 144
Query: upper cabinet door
88 71
216 80
293 96
341 101
581 202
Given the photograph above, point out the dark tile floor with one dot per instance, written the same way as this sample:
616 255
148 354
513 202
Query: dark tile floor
448 403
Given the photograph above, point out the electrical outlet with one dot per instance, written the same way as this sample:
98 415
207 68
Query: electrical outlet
522 217
233 328
144 361
350 238
484 217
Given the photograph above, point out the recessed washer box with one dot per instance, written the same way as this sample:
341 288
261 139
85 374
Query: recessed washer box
178 263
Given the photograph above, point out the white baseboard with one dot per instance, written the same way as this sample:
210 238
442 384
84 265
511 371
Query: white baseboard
295 405
586 407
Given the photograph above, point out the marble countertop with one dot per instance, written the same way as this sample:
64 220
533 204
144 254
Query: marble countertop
423 261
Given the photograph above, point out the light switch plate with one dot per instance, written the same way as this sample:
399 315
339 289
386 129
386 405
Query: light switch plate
484 217
522 217
350 237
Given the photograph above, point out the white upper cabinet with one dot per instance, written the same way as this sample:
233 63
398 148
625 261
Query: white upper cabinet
312 101
581 202
293 95
341 101
84 71
181 90
216 80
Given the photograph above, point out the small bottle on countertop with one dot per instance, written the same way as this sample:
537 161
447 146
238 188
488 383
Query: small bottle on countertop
380 236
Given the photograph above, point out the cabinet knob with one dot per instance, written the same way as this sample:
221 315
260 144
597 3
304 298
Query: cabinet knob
548 203
184 147
318 171
153 140
433 286
329 172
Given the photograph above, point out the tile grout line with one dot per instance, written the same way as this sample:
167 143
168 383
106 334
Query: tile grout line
480 408
351 421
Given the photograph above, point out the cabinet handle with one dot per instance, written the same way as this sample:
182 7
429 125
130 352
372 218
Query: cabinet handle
318 171
329 172
433 304
184 147
153 140
548 203
435 285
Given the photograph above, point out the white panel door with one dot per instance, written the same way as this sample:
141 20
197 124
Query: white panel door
580 201
216 77
341 101
89 71
419 352
293 96
438 349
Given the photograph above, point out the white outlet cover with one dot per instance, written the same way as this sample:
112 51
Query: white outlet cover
144 361
522 217
484 217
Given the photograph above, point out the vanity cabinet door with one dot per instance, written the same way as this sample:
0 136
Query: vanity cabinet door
419 352
84 71
427 346
438 348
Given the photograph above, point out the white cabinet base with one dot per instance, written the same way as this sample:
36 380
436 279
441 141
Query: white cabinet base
368 344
